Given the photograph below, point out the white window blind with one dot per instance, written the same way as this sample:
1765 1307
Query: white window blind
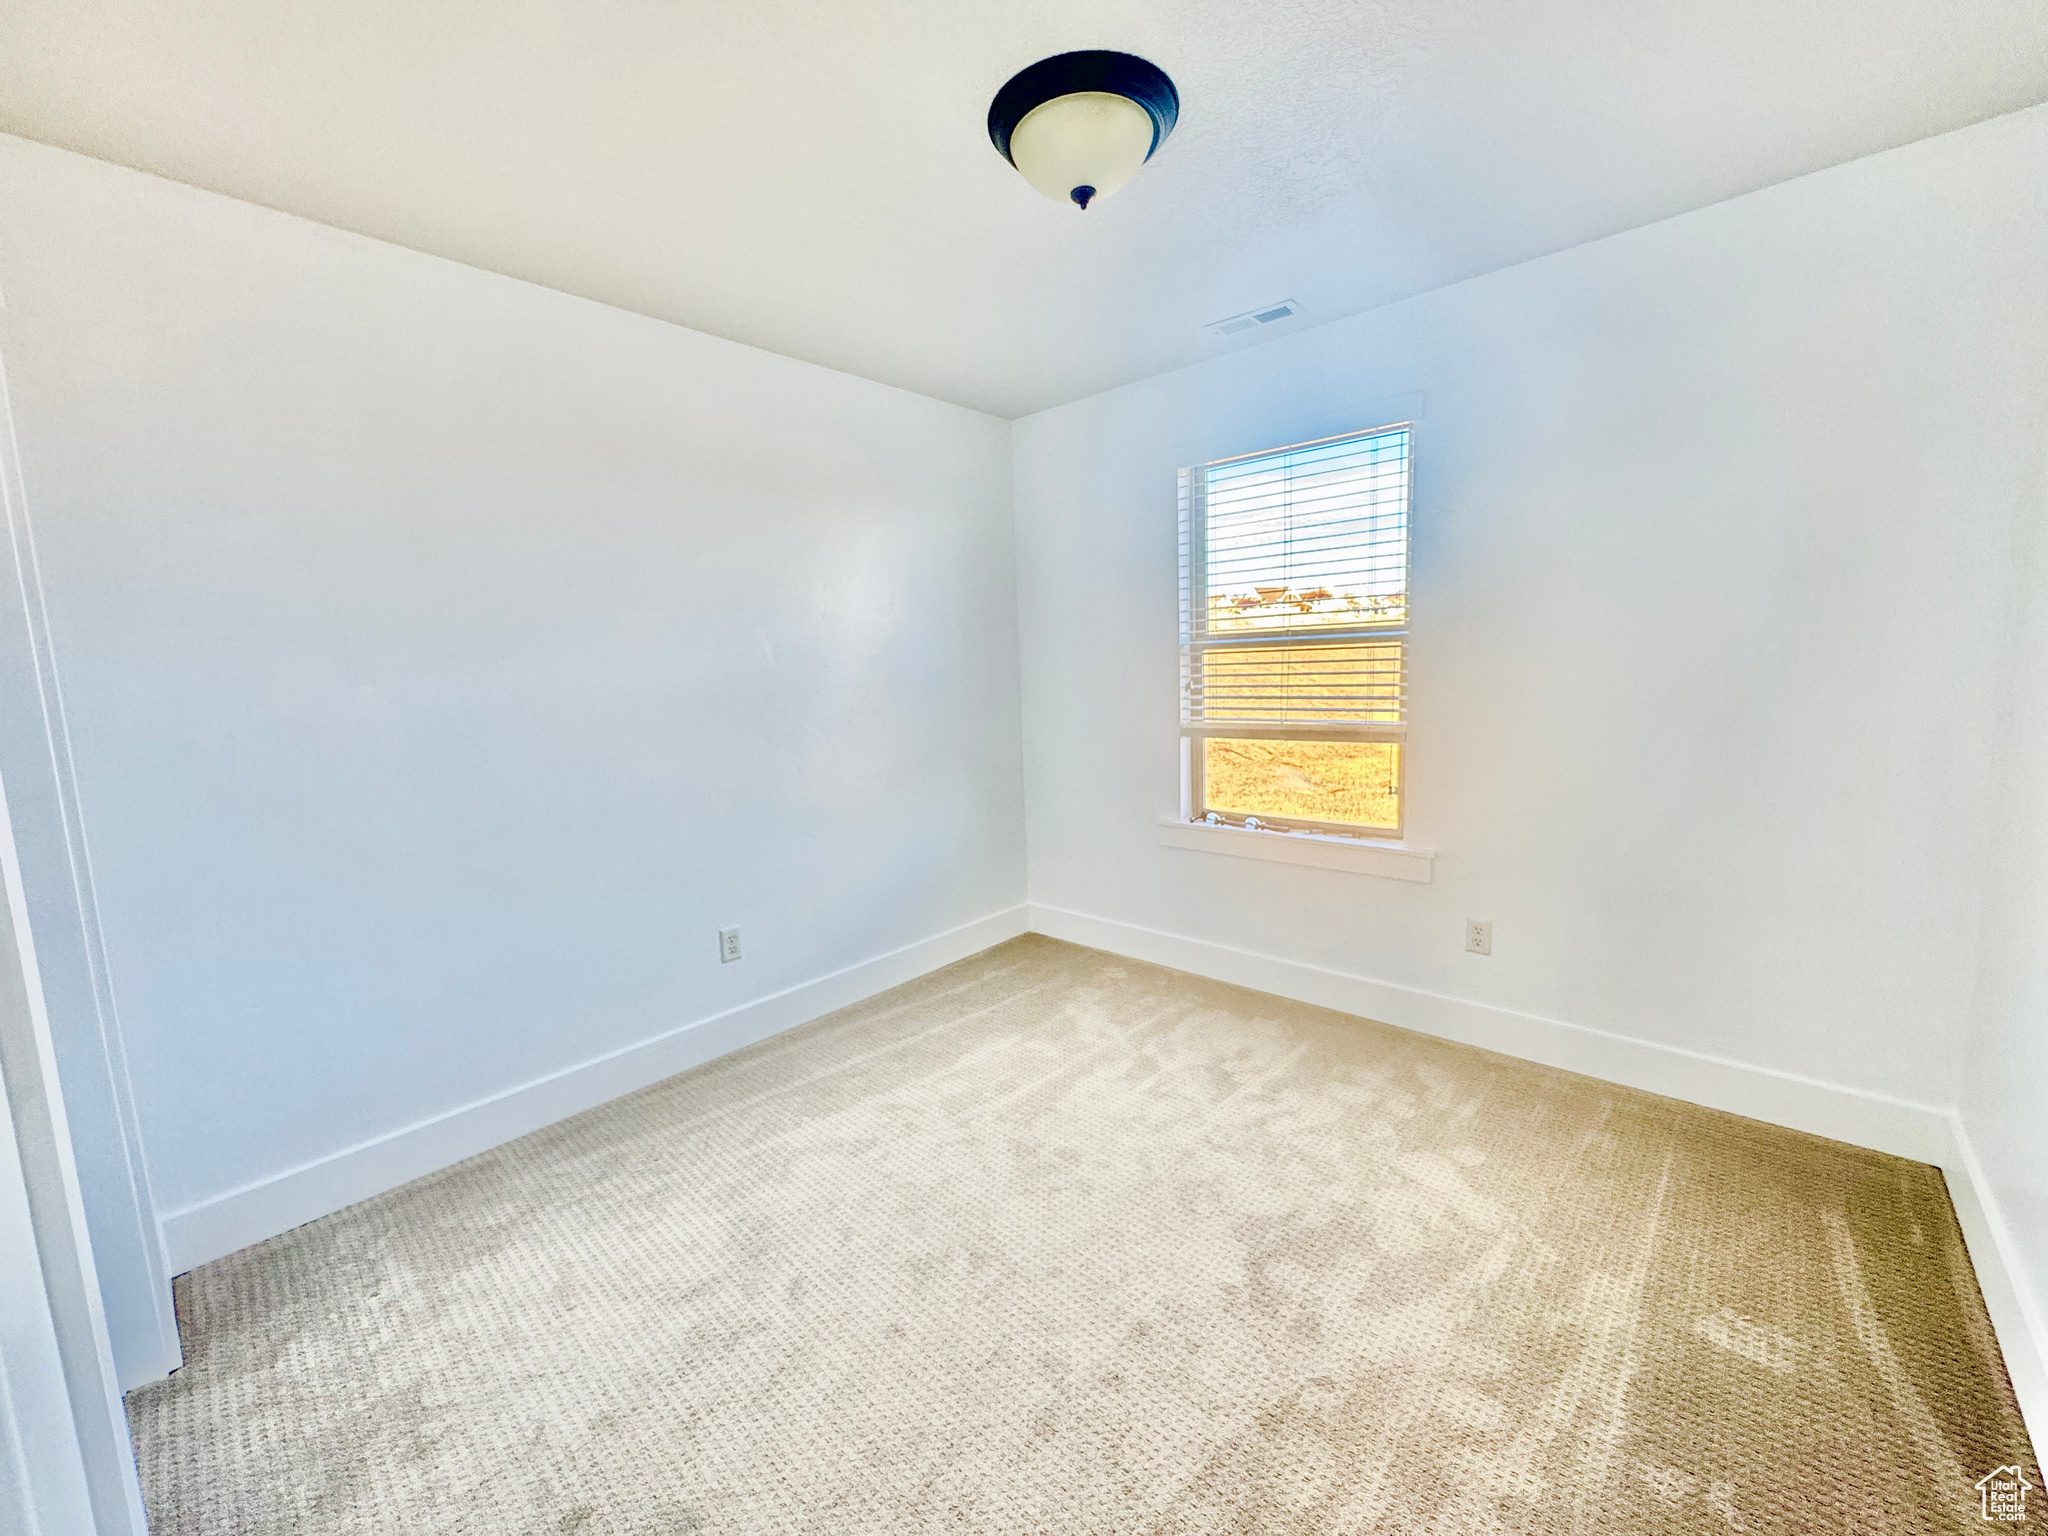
1294 596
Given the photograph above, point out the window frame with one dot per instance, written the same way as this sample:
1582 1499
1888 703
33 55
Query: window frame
1194 600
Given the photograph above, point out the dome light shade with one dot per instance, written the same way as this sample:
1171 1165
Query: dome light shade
1082 146
1078 125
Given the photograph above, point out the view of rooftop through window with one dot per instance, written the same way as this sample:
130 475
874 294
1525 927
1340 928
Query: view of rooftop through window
1295 576
1309 536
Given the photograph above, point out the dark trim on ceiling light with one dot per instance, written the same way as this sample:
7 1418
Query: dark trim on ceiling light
1092 69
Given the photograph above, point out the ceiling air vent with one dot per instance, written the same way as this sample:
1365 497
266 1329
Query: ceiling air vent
1254 317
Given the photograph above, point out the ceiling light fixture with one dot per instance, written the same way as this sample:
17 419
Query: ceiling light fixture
1078 125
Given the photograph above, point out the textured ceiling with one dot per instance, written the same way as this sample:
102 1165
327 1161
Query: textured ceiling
813 177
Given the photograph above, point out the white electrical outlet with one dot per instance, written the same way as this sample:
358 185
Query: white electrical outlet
1479 935
728 945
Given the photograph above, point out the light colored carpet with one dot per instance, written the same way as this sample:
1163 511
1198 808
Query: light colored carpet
1051 1241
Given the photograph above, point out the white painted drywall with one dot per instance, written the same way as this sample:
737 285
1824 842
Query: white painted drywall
449 659
2004 1109
1711 581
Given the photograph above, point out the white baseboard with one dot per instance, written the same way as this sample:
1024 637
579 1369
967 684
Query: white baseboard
140 1370
212 1228
1918 1131
1922 1132
2013 1302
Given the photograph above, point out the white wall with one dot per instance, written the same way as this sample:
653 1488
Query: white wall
447 659
2005 1090
1711 582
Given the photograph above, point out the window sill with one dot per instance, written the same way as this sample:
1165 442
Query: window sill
1361 856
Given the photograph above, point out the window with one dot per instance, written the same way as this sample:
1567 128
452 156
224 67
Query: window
1294 618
